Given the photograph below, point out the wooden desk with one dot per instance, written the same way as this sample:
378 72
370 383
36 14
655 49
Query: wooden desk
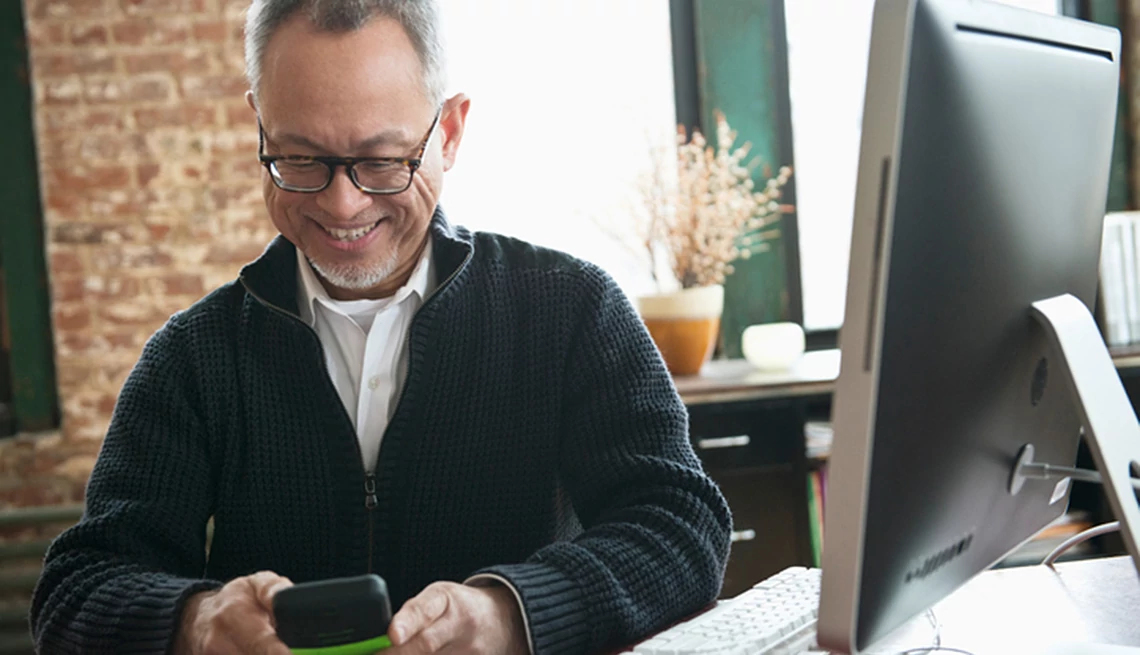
734 380
1026 609
747 428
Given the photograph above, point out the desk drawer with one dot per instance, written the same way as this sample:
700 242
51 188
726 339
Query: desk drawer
766 537
728 437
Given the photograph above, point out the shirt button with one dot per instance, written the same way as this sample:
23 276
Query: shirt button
374 382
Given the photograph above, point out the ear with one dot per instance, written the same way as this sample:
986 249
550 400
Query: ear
452 120
250 100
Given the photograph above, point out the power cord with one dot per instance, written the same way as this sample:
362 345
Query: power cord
1042 471
937 647
1080 537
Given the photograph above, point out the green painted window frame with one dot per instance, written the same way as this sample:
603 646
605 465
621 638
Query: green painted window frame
732 55
34 403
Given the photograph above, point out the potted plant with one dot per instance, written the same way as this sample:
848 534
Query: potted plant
703 213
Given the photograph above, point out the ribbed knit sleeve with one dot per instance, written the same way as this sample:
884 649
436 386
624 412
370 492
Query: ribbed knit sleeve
656 528
116 582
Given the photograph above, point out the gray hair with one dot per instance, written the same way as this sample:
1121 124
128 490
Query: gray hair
419 18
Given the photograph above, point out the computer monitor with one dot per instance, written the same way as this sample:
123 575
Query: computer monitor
983 173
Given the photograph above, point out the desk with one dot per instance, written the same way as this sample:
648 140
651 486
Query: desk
1023 610
747 428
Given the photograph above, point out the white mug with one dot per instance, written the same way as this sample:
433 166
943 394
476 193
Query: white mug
773 346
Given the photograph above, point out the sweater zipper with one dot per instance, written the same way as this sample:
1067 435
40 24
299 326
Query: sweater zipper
370 506
370 500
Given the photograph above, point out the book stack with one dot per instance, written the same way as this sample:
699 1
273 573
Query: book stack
1119 289
817 440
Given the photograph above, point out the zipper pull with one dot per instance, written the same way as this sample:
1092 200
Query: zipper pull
370 491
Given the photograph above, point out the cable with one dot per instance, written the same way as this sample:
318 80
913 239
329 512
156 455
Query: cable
1096 531
1041 471
937 647
925 650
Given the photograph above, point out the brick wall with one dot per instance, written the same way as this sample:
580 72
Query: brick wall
151 198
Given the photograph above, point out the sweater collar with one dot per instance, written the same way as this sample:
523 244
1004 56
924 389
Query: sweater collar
272 277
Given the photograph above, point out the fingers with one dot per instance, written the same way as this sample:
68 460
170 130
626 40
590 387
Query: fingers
239 619
418 613
264 585
435 638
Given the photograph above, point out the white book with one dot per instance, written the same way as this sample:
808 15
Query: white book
1118 332
1131 293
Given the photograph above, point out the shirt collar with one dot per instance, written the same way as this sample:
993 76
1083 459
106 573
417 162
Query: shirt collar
310 290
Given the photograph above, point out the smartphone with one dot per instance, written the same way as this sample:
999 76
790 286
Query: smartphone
341 616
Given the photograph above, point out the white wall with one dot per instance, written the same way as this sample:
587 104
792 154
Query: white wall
567 96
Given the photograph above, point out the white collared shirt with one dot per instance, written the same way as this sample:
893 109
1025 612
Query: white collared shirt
366 346
366 349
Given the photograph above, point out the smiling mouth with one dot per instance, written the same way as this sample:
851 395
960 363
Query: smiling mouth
348 236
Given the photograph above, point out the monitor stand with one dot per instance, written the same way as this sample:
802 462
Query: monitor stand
1110 425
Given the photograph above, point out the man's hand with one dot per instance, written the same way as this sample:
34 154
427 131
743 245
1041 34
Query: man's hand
238 618
452 618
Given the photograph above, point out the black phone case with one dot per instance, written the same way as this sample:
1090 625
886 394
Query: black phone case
332 612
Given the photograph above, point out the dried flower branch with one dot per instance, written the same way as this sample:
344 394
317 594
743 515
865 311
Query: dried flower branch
710 215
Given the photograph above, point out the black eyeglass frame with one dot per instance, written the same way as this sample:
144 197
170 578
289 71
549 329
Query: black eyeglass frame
332 163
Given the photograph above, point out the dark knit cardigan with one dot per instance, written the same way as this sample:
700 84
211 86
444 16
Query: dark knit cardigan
538 437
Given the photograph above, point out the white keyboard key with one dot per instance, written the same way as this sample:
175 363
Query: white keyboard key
775 617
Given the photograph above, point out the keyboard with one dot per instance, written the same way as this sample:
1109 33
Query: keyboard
775 617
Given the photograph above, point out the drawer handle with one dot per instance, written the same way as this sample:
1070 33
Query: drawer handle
723 442
743 535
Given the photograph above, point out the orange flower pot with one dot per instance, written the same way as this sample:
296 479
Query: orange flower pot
684 325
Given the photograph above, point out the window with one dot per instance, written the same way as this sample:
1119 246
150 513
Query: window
827 70
568 98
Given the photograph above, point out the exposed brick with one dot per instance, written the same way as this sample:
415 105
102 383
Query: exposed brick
159 7
149 88
183 115
73 63
81 177
175 61
240 142
63 203
131 313
147 31
86 233
67 91
66 288
128 257
176 284
147 173
234 10
46 33
151 189
211 31
239 115
71 9
100 288
70 318
213 86
65 261
130 339
246 168
89 34
234 253
119 203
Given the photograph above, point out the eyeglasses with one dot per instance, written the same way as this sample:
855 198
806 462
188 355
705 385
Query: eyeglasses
376 175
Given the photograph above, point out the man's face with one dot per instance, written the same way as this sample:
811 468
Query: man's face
354 94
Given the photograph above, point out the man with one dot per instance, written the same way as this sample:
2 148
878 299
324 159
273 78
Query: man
482 422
